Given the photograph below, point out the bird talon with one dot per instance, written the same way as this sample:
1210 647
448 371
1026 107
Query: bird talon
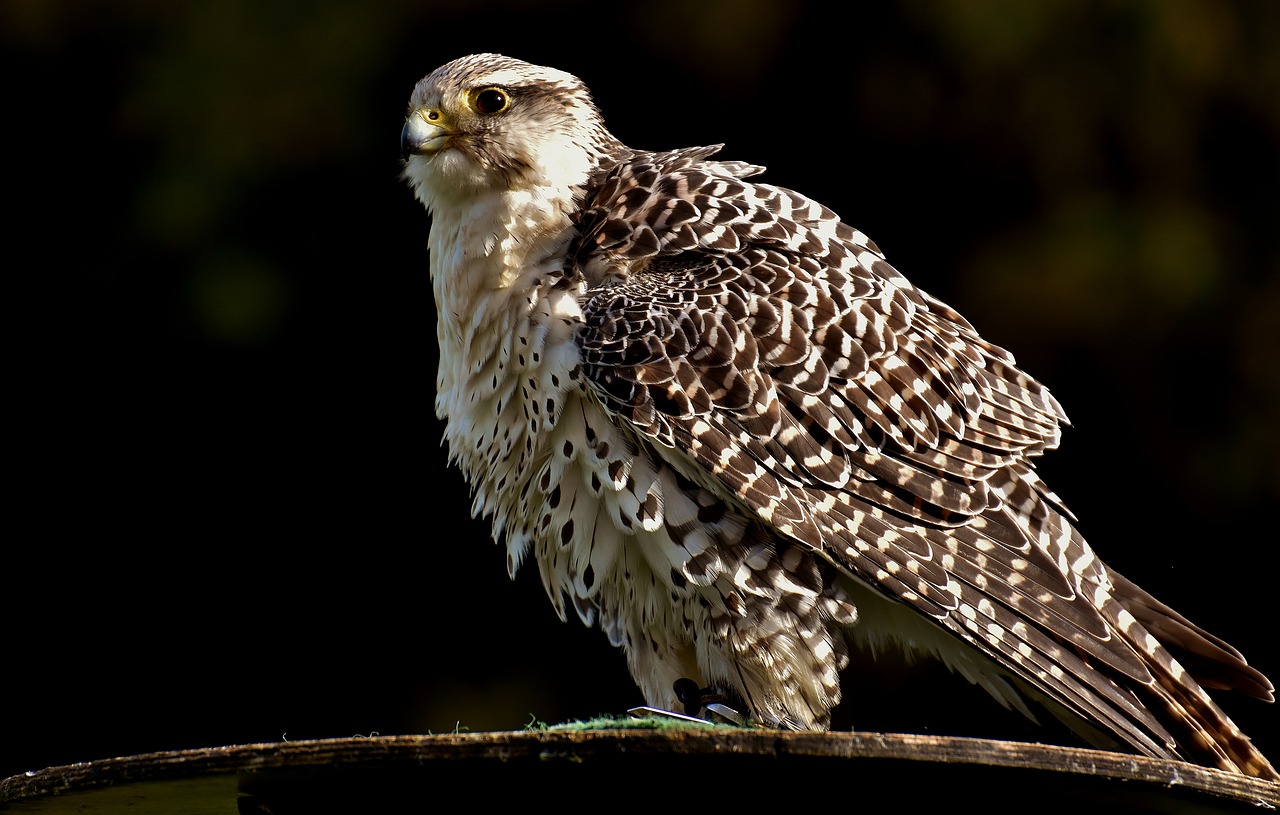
644 712
725 714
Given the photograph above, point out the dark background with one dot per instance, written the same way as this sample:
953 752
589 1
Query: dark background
229 516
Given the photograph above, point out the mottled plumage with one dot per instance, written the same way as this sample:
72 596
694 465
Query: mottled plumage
735 437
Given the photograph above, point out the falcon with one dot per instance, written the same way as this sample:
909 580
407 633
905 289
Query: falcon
730 434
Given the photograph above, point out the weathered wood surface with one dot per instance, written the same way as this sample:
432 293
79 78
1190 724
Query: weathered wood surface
620 767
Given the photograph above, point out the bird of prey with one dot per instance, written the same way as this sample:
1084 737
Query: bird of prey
733 436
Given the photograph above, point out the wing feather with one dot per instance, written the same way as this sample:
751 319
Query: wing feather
770 348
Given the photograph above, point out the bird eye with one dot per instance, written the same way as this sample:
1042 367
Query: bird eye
490 100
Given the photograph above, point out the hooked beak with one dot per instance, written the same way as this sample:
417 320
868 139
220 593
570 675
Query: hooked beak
421 135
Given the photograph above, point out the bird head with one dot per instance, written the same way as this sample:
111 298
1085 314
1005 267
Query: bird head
488 123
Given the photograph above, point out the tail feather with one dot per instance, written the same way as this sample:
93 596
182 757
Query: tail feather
1204 732
1213 662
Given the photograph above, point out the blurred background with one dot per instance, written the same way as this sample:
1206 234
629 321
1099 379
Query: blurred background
230 517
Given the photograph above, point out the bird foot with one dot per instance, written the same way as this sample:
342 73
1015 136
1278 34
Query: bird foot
709 703
716 713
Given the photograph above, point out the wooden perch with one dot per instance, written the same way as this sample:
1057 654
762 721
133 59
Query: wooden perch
664 769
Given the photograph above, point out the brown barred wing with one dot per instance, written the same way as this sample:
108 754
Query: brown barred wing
747 330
